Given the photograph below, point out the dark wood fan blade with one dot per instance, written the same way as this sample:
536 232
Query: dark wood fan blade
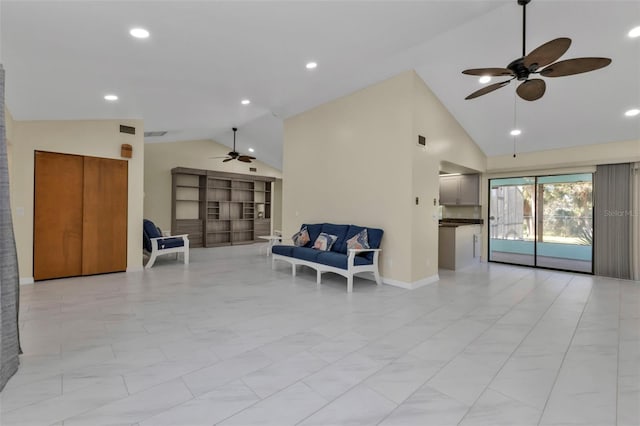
217 158
228 159
547 53
492 72
574 66
244 158
531 90
489 88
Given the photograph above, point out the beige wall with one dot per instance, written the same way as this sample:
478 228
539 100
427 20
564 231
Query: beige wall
446 141
160 158
586 155
98 138
356 160
349 161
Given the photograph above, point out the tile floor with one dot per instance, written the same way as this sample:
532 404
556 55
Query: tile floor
227 340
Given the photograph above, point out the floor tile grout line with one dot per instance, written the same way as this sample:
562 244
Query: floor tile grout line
470 343
564 356
540 318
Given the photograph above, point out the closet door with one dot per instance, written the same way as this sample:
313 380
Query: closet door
57 242
104 242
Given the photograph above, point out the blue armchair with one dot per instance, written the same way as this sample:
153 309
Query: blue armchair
155 244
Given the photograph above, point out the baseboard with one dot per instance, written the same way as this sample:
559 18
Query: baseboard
414 285
26 280
135 269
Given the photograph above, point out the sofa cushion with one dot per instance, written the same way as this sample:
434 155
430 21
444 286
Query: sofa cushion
324 242
358 241
339 260
166 243
301 238
283 250
306 253
314 230
149 230
340 231
374 236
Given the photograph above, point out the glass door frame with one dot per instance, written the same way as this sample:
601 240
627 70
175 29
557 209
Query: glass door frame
537 218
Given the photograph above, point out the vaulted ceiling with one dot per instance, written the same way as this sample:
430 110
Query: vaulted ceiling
203 58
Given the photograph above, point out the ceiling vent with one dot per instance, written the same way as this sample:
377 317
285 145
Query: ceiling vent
154 134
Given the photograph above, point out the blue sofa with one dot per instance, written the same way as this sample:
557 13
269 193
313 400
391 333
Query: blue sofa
339 259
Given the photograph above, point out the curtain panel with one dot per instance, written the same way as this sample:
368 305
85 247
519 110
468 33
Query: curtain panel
9 281
635 221
612 221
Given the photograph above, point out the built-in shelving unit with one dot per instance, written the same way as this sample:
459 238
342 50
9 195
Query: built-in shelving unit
217 208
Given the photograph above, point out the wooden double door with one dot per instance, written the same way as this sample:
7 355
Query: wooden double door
80 215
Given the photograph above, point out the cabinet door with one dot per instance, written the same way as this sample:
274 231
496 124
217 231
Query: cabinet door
57 222
469 190
449 190
104 242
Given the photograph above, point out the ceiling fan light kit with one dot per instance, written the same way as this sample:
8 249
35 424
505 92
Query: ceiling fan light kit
235 155
541 60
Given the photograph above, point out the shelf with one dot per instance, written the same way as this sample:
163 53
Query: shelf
193 201
188 186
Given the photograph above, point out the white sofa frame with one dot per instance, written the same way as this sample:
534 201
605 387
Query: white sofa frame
347 273
156 251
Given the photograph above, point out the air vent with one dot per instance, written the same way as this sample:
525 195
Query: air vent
422 141
154 134
253 169
127 129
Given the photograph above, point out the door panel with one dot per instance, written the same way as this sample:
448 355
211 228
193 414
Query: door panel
104 244
57 239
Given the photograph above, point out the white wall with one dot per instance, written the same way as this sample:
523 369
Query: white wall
98 138
160 158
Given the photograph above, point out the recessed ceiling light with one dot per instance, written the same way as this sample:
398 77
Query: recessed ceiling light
632 112
635 32
484 79
110 98
516 132
252 150
139 33
245 102
311 65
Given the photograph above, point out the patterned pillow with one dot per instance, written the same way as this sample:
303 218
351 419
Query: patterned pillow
359 241
324 242
301 237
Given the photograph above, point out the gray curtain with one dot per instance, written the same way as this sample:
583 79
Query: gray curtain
612 221
9 281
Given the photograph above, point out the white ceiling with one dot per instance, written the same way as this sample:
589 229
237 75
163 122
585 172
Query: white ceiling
203 57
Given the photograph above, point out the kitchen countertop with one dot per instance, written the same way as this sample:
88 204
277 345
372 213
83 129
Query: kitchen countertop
454 223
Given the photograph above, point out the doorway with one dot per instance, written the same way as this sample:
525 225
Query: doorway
543 221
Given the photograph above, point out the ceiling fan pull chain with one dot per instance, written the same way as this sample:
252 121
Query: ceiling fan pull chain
524 29
515 121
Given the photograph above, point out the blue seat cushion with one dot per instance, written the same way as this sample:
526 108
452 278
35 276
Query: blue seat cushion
314 230
283 250
306 253
339 260
166 243
340 231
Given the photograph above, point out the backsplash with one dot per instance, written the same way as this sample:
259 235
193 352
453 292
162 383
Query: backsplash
461 212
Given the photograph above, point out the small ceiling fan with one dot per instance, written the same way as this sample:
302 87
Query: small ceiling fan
235 155
540 61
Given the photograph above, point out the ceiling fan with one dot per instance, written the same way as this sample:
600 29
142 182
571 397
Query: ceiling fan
235 155
540 61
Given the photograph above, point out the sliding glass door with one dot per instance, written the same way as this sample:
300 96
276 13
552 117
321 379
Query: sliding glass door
544 221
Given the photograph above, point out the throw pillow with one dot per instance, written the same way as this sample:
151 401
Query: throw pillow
301 237
324 241
359 241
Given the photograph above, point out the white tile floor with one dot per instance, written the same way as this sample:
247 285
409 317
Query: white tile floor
226 340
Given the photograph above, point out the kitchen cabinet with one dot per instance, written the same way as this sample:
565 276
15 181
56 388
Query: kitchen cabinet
458 246
460 190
